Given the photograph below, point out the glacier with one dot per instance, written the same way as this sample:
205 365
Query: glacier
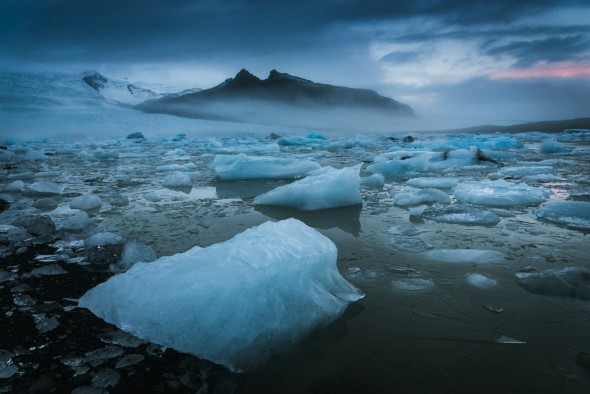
236 303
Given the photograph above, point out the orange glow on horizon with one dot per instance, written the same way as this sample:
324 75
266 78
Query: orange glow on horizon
557 70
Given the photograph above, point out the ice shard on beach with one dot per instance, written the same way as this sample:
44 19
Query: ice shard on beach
235 303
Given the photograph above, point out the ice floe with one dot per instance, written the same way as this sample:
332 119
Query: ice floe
563 282
235 303
86 202
567 213
499 193
177 181
322 189
460 214
433 182
421 196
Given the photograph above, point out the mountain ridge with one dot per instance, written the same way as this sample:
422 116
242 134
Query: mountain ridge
279 89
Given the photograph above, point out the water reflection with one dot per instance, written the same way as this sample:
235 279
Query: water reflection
345 218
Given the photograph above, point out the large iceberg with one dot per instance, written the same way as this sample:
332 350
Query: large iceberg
322 189
241 167
567 213
499 193
235 303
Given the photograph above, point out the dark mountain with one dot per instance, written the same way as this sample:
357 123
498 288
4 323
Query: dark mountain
247 97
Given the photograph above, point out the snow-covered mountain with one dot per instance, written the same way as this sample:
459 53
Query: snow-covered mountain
119 91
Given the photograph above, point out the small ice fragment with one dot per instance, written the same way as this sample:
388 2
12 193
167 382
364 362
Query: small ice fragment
480 256
7 276
504 340
76 223
177 180
120 338
562 282
128 360
479 280
135 251
550 145
423 196
106 377
407 243
104 248
104 353
461 214
493 308
46 203
21 299
47 187
413 284
375 180
151 197
433 182
47 270
44 323
86 202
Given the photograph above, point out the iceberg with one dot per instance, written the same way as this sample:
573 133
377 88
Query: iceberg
235 303
499 193
242 167
552 146
47 187
322 189
567 213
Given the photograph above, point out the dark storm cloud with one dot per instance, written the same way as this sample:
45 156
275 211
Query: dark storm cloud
152 30
553 49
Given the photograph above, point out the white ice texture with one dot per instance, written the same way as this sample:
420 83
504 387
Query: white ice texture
322 189
242 167
567 213
86 202
235 303
499 193
480 256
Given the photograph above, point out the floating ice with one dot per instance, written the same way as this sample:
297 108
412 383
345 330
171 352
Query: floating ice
48 270
186 167
413 284
499 193
135 251
177 180
151 197
461 214
46 203
16 186
480 256
479 280
552 146
76 223
375 180
47 187
423 196
241 167
435 182
526 170
562 282
325 188
103 248
36 224
236 303
45 323
407 243
567 213
86 202
106 154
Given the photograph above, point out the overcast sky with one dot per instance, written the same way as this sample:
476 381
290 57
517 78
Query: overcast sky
496 60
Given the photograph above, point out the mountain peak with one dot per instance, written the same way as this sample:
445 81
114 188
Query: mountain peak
278 76
244 76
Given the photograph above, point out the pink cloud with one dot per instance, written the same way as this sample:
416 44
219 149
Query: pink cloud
543 70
